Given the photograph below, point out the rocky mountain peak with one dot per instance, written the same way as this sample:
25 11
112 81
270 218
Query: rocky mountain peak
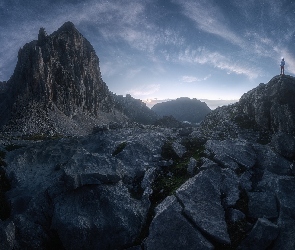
58 74
263 111
183 109
68 26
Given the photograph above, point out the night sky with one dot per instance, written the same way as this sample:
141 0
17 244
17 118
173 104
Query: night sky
165 49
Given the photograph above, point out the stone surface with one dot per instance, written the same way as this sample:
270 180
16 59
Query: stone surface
178 149
284 144
200 197
85 168
235 215
176 233
262 205
240 152
7 235
191 167
261 236
98 217
271 161
229 187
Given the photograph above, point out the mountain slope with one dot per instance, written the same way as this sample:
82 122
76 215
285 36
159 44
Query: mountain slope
263 111
183 109
57 87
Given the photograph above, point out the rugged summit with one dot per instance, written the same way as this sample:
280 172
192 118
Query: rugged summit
135 109
262 112
57 88
183 109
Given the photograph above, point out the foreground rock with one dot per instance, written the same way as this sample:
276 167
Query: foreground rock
81 193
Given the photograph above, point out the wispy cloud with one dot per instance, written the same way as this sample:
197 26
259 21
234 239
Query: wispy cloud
192 79
210 19
217 60
144 90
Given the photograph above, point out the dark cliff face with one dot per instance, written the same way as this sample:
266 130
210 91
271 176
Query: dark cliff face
63 69
57 78
267 109
183 109
135 109
272 105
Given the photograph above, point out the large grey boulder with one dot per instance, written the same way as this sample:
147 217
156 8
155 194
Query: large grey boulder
235 215
29 233
229 187
285 239
7 235
85 168
238 151
191 166
170 230
261 236
269 160
262 205
200 197
98 217
178 149
284 144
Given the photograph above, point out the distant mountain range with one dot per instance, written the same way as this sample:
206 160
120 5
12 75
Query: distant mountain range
183 109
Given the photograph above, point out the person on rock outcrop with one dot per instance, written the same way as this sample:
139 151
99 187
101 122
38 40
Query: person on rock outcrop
282 66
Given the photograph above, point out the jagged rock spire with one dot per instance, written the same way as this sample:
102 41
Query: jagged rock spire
42 36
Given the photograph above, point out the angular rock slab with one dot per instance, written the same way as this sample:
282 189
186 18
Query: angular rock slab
229 187
239 151
200 197
87 169
169 230
262 205
286 197
272 161
284 144
7 235
99 217
261 236
178 149
286 238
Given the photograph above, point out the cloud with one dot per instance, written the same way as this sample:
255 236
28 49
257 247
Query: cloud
213 104
209 18
217 60
145 90
192 79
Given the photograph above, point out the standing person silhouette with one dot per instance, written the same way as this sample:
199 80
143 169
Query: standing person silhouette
282 67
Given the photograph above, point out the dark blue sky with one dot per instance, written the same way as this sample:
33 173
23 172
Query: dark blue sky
165 49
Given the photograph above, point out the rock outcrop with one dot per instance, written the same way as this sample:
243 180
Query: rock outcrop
183 109
135 109
261 113
57 88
